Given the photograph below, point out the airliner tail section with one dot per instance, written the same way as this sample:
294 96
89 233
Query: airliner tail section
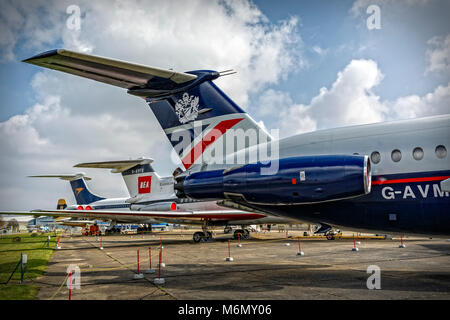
201 122
78 184
140 178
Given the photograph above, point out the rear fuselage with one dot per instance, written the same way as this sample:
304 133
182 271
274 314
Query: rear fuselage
406 195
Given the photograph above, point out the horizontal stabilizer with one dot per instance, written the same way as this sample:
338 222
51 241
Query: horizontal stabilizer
67 177
116 166
114 72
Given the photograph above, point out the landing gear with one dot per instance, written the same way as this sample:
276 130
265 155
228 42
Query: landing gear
201 236
241 233
197 237
328 231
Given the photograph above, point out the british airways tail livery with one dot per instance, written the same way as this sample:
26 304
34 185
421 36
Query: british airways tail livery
80 189
193 112
200 114
391 177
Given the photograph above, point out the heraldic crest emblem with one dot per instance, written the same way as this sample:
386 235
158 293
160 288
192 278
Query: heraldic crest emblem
186 108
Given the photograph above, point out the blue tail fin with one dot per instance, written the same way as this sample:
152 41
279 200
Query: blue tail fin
199 120
82 193
79 187
198 115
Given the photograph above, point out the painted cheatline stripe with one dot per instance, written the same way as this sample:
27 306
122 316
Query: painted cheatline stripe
200 147
410 180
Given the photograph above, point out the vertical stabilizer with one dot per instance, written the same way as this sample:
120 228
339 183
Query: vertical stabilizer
140 178
203 124
79 186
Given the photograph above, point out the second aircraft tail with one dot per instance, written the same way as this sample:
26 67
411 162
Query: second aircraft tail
79 186
140 178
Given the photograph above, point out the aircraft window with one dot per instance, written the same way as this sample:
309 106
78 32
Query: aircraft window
418 153
375 157
441 152
396 155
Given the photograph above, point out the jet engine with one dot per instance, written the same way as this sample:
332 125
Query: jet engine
162 206
298 180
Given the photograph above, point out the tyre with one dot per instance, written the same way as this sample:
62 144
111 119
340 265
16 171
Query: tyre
197 237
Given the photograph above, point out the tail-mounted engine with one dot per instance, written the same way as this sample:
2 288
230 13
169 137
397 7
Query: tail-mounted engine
299 180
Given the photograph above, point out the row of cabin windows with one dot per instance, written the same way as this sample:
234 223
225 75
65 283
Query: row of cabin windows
396 154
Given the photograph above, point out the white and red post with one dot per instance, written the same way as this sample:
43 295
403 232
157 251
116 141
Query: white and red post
149 270
229 258
300 252
354 244
159 280
287 244
70 285
239 240
138 275
402 245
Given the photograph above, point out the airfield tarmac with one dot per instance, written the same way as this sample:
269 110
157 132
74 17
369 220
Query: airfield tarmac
263 268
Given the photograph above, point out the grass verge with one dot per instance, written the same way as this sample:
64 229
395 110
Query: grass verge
38 253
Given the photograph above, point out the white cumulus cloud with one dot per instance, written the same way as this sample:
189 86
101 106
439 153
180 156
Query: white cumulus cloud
75 120
351 101
438 54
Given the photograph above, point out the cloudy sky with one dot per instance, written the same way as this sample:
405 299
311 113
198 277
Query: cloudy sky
302 66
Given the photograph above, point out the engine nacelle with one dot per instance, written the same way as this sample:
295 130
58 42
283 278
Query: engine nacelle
298 180
162 206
